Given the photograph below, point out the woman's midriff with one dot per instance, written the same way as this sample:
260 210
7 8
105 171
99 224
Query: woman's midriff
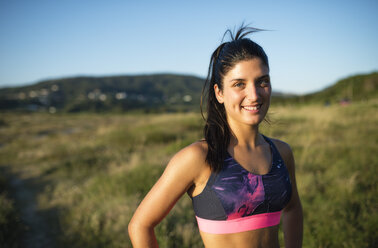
264 237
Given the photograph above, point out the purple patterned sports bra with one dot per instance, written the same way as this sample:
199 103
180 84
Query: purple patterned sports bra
235 200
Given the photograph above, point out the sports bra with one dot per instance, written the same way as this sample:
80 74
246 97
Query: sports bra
236 200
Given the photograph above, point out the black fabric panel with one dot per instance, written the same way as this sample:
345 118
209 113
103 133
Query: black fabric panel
207 205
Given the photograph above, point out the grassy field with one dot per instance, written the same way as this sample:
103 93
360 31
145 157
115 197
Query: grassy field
85 174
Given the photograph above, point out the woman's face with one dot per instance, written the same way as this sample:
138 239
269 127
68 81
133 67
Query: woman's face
246 92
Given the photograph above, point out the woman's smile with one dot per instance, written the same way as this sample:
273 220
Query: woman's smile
252 109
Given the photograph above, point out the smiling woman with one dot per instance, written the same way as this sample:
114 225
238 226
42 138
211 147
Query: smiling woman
240 181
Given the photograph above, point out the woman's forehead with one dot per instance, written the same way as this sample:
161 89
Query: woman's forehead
247 69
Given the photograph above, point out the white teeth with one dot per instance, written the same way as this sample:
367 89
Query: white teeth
252 108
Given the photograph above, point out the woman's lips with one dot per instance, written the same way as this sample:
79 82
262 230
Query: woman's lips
252 108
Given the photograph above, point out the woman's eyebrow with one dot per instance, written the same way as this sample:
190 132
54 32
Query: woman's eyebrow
257 79
237 79
263 77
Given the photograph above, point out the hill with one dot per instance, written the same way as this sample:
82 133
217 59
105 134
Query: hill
361 87
155 93
160 92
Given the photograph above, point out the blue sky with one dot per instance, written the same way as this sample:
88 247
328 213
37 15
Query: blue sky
312 43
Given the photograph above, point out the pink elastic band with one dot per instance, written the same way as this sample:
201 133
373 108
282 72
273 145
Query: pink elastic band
239 225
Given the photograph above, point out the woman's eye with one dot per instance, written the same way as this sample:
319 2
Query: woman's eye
264 83
239 84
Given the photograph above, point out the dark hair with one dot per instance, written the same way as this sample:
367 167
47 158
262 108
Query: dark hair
224 58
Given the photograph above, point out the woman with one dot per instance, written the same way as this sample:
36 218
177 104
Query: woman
239 180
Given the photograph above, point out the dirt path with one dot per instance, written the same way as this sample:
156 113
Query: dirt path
38 233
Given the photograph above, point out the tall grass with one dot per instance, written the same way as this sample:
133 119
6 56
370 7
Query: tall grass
95 169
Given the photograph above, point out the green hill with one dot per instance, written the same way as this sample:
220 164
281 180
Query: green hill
162 92
355 88
155 93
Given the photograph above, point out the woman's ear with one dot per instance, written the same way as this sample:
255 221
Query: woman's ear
218 93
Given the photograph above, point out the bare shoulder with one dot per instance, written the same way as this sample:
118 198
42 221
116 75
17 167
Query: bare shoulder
191 159
283 147
193 153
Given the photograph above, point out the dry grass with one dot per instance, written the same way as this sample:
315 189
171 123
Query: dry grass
95 169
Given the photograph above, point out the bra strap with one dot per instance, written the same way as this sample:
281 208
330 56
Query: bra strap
276 153
211 179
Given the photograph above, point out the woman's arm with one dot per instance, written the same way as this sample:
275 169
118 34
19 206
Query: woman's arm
292 213
179 175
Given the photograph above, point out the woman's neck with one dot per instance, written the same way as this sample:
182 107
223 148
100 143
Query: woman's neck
245 136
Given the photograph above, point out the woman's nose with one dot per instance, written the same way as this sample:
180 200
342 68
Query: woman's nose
252 92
